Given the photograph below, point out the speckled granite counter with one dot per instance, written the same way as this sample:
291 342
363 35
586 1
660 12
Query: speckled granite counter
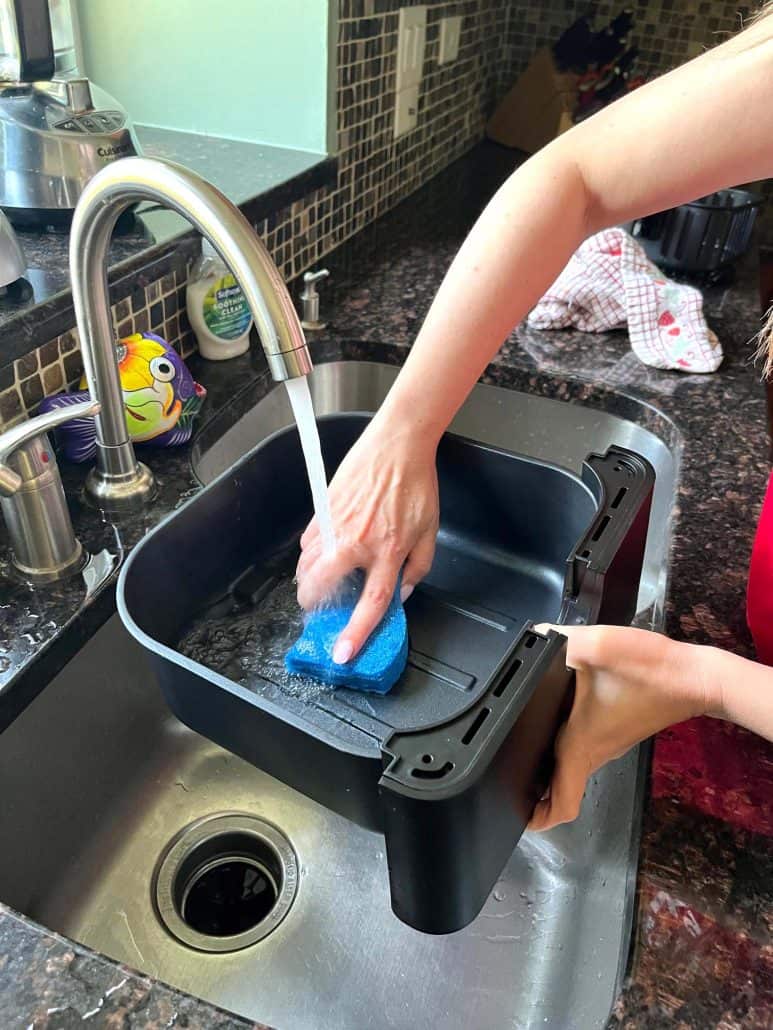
702 955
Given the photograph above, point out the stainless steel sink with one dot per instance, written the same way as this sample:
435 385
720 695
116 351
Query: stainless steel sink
99 779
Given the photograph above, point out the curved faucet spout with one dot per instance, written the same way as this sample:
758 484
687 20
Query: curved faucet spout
119 482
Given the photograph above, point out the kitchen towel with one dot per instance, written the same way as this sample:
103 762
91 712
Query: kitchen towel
610 283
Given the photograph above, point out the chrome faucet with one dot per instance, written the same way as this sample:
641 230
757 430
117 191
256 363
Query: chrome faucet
119 482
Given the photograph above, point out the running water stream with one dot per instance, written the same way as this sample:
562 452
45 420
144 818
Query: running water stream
303 410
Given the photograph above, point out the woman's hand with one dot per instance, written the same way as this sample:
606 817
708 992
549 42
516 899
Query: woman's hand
384 503
630 684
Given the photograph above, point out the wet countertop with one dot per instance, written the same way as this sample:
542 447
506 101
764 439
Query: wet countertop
702 954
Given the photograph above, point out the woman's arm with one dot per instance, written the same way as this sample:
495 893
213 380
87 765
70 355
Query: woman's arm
631 684
742 691
707 125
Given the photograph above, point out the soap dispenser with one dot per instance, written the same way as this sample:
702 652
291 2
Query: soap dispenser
217 308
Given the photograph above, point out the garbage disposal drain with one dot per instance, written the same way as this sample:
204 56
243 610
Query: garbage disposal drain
225 882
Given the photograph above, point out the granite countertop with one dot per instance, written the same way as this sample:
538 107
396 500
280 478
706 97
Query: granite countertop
702 955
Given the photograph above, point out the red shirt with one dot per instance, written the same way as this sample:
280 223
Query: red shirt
759 600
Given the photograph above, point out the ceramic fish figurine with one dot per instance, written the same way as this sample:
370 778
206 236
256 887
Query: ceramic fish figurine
160 397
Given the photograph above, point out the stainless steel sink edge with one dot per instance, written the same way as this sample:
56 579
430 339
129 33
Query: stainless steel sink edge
533 957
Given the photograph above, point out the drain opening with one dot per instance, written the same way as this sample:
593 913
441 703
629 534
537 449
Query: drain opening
226 882
232 892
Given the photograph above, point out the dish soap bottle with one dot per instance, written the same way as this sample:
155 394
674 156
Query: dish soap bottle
217 308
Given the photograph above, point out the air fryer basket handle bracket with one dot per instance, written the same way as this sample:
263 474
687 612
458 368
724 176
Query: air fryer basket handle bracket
607 561
467 788
486 723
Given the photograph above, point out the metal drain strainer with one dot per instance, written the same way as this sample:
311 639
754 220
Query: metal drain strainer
225 882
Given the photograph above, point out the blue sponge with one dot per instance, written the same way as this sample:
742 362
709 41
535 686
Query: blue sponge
375 669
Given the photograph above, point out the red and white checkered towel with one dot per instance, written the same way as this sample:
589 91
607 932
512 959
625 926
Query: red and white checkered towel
610 283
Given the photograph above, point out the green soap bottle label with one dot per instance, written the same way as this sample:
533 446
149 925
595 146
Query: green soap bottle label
226 312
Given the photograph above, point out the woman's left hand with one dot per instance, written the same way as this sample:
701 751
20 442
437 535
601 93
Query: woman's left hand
630 684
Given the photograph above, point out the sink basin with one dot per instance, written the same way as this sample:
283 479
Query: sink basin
96 825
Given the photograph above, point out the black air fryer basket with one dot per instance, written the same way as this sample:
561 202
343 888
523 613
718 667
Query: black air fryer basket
702 237
449 764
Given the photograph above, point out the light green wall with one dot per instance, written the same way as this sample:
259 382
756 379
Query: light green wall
251 70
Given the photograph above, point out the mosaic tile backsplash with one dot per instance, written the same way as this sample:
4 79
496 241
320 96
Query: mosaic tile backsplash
375 171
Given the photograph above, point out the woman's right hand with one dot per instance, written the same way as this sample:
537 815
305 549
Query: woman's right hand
385 509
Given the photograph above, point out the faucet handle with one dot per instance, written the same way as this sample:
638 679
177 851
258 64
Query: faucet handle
12 439
310 278
310 299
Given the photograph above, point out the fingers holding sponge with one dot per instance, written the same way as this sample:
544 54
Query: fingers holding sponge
379 664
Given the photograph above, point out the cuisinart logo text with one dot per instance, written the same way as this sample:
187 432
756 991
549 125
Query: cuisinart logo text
117 151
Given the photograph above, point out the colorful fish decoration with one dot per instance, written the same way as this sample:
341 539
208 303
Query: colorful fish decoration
160 396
